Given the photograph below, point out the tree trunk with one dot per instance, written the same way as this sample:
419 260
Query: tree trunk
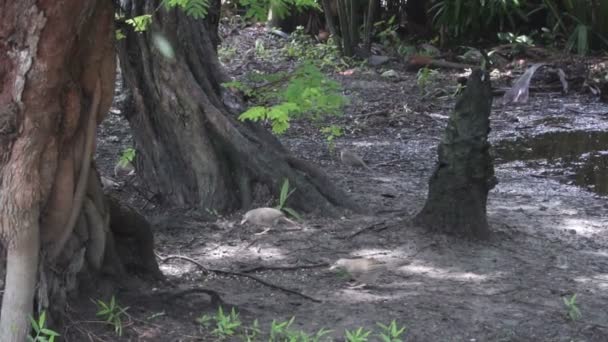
459 187
57 69
190 147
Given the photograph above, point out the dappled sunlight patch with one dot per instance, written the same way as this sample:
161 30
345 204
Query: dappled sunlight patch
599 281
175 269
439 273
243 252
582 227
363 296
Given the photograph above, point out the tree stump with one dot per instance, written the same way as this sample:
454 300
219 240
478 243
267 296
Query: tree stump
458 188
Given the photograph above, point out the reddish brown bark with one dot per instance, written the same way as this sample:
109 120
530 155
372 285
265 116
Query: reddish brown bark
57 67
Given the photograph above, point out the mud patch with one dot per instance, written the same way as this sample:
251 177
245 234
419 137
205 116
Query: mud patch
573 157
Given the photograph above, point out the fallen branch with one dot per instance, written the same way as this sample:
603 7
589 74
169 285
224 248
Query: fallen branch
370 227
240 274
418 62
282 268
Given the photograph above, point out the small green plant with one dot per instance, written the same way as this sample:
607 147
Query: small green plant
406 50
391 332
283 196
359 335
331 133
387 31
260 49
43 334
111 313
303 48
425 77
308 92
573 311
251 333
282 332
226 325
126 157
225 54
140 23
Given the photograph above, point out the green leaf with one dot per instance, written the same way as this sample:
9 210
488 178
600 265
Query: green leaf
49 332
197 9
140 23
292 213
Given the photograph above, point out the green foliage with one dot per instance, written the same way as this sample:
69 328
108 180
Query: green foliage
391 332
308 92
573 311
226 325
303 48
470 17
332 132
127 157
583 22
258 9
225 54
282 332
119 34
111 313
406 50
260 49
197 9
283 196
43 334
229 326
425 77
387 31
359 335
251 333
140 23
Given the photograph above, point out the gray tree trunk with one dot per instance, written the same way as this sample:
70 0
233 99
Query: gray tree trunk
464 175
191 148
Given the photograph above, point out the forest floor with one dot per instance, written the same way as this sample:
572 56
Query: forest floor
548 216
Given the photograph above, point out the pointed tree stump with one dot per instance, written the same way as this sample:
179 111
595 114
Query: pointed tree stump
458 189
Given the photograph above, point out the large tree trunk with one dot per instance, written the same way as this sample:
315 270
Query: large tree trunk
57 69
458 189
191 148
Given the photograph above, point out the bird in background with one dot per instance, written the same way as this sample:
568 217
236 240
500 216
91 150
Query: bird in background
350 158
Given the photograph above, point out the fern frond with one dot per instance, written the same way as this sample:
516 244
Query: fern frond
197 9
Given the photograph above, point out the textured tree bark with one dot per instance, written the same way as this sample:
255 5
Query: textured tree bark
57 70
191 148
459 187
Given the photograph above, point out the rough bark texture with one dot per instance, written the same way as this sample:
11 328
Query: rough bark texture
57 70
459 187
191 148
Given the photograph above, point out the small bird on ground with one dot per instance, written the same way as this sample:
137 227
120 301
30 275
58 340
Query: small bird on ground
265 217
124 169
350 158
362 270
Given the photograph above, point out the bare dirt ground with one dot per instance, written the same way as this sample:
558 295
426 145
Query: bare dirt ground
549 241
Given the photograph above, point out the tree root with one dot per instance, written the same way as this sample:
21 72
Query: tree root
240 274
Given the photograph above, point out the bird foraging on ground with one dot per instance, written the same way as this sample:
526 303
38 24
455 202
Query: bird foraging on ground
362 270
265 217
124 169
350 158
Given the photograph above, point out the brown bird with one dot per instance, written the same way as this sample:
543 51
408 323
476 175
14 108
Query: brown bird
362 270
265 217
350 158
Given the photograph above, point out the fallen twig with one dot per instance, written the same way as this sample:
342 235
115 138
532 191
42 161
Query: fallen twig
282 268
240 274
370 227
